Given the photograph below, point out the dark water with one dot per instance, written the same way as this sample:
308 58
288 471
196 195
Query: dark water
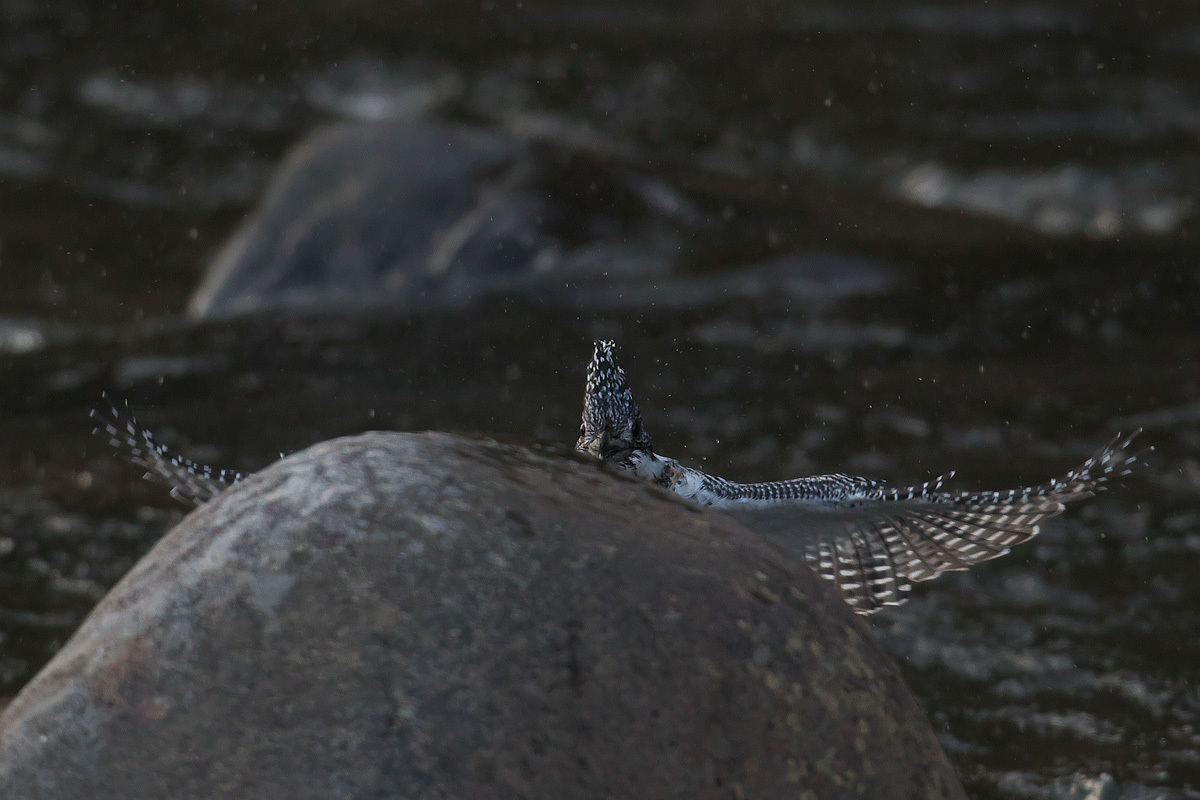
978 225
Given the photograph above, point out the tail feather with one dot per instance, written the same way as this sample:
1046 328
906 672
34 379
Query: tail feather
189 482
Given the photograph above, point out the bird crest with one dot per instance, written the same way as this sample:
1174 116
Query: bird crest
612 423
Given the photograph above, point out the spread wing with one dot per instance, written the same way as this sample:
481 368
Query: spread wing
190 482
874 542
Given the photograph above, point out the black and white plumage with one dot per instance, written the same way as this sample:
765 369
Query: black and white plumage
872 540
190 482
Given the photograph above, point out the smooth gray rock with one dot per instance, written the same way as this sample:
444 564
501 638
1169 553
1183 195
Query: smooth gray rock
418 215
376 212
430 616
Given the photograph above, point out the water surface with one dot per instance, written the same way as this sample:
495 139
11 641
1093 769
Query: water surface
907 239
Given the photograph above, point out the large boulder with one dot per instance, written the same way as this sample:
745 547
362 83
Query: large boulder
432 616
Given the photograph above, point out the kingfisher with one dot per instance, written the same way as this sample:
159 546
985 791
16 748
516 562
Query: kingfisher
871 540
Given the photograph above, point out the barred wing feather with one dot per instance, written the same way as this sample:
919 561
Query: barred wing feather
875 542
189 482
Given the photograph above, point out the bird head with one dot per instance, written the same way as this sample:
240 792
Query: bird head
612 424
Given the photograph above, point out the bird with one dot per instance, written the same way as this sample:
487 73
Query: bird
191 483
873 541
